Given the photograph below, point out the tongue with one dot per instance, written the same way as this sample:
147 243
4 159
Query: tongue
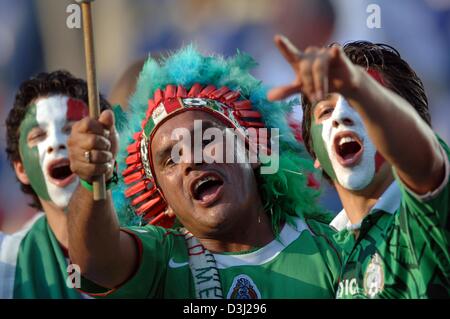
348 150
348 156
207 192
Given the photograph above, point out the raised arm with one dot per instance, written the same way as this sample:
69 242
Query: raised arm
400 135
396 129
104 254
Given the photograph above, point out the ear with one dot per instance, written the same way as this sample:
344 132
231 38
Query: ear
20 172
317 163
170 212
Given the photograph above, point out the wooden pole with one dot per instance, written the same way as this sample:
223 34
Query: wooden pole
99 189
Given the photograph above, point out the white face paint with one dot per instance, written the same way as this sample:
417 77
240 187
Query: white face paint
352 174
51 115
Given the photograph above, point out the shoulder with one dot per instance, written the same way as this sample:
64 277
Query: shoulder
154 232
34 225
318 236
10 247
443 145
318 231
320 227
437 199
324 235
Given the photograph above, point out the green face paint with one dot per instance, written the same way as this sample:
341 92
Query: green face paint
320 148
30 156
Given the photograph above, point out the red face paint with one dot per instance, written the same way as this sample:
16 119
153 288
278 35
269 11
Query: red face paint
296 128
379 160
312 182
76 110
377 76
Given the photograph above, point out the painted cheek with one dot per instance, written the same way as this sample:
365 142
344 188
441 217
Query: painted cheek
320 150
30 156
379 161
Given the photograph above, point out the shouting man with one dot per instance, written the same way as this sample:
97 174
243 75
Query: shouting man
34 261
240 231
366 124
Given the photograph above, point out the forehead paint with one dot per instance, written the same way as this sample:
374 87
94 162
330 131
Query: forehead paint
76 110
377 76
30 156
320 149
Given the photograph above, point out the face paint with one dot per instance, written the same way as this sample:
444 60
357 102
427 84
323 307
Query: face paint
30 155
344 150
43 147
320 149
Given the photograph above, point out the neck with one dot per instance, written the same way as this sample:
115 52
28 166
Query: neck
256 233
57 220
357 204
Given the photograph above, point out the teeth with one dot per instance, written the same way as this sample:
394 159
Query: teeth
346 139
60 165
204 180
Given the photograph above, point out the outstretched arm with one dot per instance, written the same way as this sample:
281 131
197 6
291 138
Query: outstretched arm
396 129
104 254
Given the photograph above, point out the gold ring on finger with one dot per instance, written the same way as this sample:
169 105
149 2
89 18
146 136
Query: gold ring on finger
87 156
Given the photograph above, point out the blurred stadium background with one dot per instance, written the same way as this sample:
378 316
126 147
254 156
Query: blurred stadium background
34 37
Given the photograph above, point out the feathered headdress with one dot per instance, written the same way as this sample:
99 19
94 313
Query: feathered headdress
223 87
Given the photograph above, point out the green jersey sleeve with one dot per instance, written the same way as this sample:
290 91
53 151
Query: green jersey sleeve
155 248
433 206
423 219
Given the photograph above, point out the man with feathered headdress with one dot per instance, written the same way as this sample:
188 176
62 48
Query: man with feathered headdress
246 226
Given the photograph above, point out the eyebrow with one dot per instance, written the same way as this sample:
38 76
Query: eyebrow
34 128
327 97
161 154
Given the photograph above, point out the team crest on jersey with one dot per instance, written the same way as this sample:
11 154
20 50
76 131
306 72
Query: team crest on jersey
243 287
374 277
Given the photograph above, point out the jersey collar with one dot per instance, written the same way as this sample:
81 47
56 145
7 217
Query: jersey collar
389 202
287 236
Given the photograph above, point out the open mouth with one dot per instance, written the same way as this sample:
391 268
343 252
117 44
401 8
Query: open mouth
60 173
348 148
207 188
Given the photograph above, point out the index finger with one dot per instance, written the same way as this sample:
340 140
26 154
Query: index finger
287 49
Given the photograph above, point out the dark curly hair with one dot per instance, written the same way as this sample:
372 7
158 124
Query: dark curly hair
397 75
40 85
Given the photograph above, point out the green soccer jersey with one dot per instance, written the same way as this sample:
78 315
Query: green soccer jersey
33 265
402 250
301 263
